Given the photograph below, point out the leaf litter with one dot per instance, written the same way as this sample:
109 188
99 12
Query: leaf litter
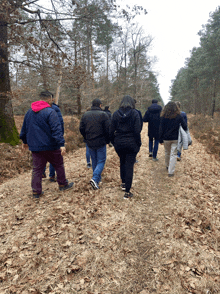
164 240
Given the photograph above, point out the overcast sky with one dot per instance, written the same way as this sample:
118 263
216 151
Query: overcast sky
174 26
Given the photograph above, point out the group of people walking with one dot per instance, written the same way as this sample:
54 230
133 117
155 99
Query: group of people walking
42 132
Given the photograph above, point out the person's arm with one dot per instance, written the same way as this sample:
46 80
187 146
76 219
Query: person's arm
161 131
112 129
107 128
137 129
183 123
56 129
146 116
82 127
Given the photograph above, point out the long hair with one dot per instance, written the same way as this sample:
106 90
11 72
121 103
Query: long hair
127 101
170 110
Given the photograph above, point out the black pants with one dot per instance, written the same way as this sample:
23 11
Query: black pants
127 160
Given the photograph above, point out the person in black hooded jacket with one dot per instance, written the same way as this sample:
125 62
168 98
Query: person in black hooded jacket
152 116
125 132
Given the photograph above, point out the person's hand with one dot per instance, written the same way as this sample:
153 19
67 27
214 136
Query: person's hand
63 150
24 146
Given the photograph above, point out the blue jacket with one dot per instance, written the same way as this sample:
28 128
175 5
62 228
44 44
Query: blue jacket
57 109
41 128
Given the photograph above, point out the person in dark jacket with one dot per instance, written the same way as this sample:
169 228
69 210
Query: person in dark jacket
183 114
94 127
168 134
152 116
57 109
125 132
42 134
106 109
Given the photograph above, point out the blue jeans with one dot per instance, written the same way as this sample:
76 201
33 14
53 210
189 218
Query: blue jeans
52 171
178 154
87 154
154 148
98 157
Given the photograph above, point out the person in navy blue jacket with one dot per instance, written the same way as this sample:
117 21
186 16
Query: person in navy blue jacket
125 132
42 133
57 109
152 116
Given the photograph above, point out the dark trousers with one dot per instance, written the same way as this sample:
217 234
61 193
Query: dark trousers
127 160
40 159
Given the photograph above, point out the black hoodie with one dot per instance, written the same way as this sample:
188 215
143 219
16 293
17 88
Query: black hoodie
125 129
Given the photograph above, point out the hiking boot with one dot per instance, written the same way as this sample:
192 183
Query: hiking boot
52 179
89 165
66 187
128 195
94 184
170 175
44 176
123 186
178 158
37 196
150 154
155 159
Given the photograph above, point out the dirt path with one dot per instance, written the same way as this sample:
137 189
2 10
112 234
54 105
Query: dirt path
164 240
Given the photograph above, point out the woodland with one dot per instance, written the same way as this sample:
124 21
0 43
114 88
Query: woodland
78 50
197 84
164 240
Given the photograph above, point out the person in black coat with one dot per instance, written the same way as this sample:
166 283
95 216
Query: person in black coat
125 132
171 120
152 116
108 111
94 127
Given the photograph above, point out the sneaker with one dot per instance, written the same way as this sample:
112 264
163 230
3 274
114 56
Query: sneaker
170 175
155 159
52 179
136 161
44 176
128 195
37 196
66 187
150 154
94 184
178 158
123 186
89 165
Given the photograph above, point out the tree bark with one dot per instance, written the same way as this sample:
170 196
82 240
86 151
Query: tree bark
8 130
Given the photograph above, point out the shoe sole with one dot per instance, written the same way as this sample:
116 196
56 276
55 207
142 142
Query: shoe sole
94 185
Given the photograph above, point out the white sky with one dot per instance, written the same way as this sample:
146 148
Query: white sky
174 26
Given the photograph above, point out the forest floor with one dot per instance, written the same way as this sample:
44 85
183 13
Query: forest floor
166 239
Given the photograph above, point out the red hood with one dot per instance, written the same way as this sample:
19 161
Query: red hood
39 105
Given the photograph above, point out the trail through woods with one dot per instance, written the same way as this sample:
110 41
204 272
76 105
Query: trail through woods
164 240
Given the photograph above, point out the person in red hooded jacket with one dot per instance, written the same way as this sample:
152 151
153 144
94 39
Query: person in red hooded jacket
42 134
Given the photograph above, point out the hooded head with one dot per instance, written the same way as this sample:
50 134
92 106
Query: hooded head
154 101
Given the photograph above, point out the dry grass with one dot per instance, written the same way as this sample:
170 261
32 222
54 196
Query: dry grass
164 240
207 131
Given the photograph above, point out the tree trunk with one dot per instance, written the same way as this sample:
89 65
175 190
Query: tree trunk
59 83
8 130
79 106
213 100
